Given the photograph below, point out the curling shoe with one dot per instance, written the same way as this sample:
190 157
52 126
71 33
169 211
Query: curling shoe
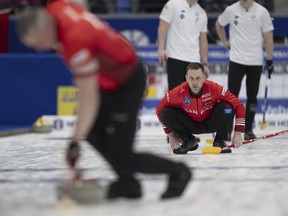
249 135
125 188
189 144
221 143
177 182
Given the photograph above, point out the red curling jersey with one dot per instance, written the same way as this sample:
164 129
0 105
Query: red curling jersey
199 108
88 44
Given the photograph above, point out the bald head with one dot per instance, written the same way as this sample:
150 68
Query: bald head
31 18
37 28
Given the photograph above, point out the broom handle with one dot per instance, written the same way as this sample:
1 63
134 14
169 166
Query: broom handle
261 138
267 81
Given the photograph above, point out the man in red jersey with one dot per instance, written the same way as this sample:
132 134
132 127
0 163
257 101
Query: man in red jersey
199 106
111 81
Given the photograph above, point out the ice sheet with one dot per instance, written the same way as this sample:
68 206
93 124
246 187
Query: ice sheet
253 180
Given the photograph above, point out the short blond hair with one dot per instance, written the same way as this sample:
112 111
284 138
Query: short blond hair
194 66
33 17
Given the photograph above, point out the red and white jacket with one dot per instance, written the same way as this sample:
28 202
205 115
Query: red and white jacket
88 44
200 107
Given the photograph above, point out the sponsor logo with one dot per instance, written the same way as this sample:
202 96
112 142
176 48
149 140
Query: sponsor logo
167 96
187 101
207 103
80 57
228 110
206 99
151 124
253 18
224 90
279 109
204 110
191 111
206 95
58 124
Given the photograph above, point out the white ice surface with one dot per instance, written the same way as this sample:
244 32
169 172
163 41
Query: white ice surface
253 180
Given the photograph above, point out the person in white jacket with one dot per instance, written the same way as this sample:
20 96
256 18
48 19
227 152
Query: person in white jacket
249 25
184 24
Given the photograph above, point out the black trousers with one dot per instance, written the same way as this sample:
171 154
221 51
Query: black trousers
113 132
176 71
183 126
236 73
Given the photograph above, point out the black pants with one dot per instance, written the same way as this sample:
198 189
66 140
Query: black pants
176 71
183 126
113 132
253 74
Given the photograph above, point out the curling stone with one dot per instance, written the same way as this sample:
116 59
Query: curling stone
82 192
42 126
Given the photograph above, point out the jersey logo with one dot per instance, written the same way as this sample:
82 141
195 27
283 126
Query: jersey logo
206 95
80 57
224 90
187 101
227 110
207 103
236 20
253 18
182 16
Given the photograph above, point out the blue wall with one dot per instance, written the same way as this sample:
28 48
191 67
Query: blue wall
28 82
28 86
147 25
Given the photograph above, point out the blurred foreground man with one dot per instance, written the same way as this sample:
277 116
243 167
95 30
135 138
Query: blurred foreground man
111 81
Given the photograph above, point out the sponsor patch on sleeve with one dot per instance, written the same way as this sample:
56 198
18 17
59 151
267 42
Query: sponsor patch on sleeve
224 90
82 63
228 110
80 58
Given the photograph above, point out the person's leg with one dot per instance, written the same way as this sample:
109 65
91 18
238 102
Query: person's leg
252 86
236 74
176 71
183 127
119 141
220 120
180 123
142 162
113 133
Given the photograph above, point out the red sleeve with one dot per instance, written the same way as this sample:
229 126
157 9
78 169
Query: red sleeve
115 46
238 107
81 58
169 100
86 40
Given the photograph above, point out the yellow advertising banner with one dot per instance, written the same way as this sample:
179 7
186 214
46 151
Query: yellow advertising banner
67 100
151 92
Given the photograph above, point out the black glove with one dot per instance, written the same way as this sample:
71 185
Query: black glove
73 153
270 67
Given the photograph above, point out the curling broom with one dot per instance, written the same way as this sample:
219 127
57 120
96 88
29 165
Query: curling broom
267 81
217 150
